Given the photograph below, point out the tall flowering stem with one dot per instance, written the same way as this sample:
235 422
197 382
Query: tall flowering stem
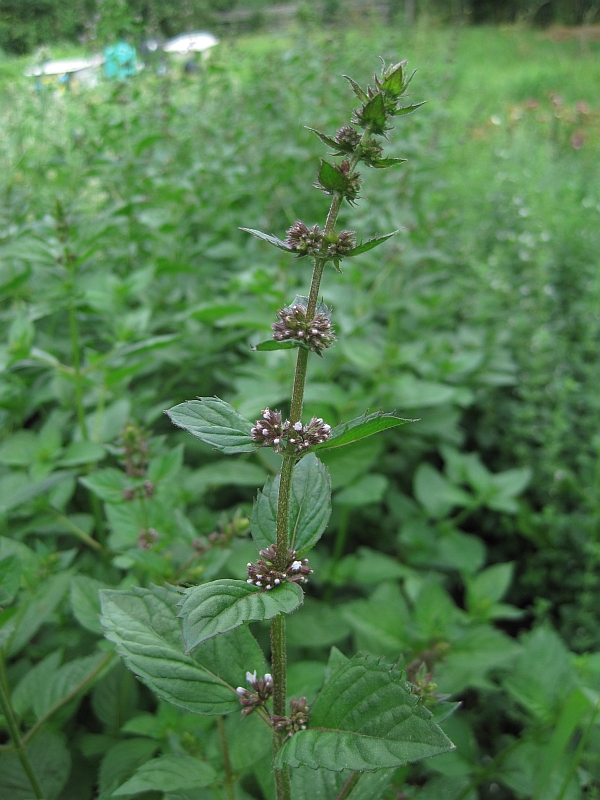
306 325
278 637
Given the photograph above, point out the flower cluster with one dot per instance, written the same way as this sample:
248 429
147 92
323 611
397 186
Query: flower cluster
340 244
353 182
147 538
371 152
146 490
293 323
305 436
297 720
304 240
264 574
270 431
347 138
262 689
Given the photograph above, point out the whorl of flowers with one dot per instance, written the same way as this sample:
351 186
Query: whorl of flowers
371 152
347 138
270 431
305 436
353 181
264 574
262 689
344 241
303 240
292 323
297 720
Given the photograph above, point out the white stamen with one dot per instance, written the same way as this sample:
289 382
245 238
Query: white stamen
268 588
276 581
297 426
258 583
296 565
249 580
276 441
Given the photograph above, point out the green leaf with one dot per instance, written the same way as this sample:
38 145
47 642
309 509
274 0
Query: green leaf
331 178
115 699
20 449
386 163
121 760
473 654
365 718
408 109
543 675
373 115
38 609
489 586
226 472
51 763
214 422
10 578
361 427
310 784
148 636
362 96
169 773
29 489
571 716
325 139
108 484
267 237
394 82
363 247
66 682
285 344
325 623
81 453
223 605
310 506
366 490
436 494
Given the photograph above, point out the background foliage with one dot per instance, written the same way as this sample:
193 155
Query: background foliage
27 25
465 545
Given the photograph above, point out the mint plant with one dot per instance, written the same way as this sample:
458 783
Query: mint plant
193 647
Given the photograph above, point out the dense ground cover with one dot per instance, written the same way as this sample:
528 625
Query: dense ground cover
464 545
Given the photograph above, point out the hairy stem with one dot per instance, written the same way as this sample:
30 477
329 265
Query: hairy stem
278 643
226 760
15 736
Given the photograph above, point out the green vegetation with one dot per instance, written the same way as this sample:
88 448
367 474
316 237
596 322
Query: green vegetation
464 546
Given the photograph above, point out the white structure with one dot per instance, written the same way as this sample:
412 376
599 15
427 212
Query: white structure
187 43
84 70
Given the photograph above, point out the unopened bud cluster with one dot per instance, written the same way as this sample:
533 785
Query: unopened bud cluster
293 323
303 240
265 575
271 431
262 689
307 241
145 490
297 720
147 538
